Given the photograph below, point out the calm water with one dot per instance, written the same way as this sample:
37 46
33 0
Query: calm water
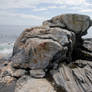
8 35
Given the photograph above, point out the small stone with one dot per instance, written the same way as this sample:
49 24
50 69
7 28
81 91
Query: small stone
19 73
39 73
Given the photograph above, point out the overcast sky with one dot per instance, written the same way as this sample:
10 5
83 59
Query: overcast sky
33 12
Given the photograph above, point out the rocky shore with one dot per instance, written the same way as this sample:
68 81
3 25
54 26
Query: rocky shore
50 58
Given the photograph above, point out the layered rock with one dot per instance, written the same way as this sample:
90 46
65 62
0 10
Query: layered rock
77 77
51 58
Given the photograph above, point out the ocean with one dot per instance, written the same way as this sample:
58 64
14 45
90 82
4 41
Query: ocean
9 33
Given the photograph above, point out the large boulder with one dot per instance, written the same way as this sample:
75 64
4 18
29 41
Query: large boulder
74 22
37 48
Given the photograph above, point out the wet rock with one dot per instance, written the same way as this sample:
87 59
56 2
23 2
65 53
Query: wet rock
73 22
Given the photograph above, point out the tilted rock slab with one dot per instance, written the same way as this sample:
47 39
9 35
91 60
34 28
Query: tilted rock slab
74 78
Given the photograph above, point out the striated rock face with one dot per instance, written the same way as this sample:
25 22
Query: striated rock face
73 22
51 58
74 78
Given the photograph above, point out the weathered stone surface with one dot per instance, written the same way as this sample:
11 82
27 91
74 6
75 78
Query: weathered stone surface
34 85
73 22
36 47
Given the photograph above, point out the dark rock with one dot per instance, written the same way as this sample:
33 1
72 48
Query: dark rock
85 49
87 44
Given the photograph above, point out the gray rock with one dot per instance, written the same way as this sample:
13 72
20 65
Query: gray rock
19 60
39 73
7 88
74 78
74 22
37 47
34 85
19 73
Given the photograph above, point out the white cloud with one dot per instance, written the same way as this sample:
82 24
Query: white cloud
4 4
19 18
80 6
40 9
29 16
74 2
36 9
86 10
52 7
24 3
55 7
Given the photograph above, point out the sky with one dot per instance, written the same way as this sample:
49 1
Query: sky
33 12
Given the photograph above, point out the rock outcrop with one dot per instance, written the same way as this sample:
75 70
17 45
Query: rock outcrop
38 47
51 58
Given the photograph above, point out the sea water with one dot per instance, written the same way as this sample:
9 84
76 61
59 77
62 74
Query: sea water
8 35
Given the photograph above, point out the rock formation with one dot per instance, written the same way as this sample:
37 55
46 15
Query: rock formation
51 58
